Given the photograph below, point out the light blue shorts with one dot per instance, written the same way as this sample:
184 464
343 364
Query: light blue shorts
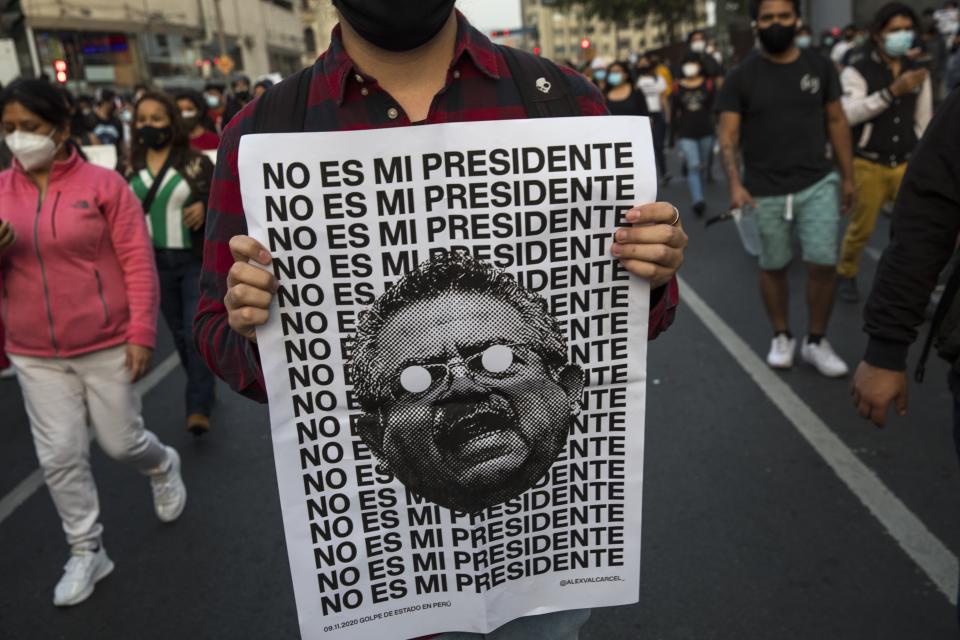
816 213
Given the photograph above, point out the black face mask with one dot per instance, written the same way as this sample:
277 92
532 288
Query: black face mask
777 38
396 25
155 137
243 96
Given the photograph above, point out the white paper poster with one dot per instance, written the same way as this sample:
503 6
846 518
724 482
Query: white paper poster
456 369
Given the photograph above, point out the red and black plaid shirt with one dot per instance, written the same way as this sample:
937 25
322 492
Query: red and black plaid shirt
479 87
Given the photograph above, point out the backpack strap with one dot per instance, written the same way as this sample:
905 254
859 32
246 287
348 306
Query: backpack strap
155 185
283 108
949 293
543 87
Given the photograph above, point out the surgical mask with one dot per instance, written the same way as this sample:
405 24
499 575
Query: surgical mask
155 138
804 41
897 44
212 101
691 70
698 46
615 79
599 75
396 25
777 38
32 150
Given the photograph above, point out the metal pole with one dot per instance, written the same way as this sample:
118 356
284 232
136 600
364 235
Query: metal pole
32 46
221 39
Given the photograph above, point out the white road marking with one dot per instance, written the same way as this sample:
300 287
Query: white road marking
931 555
29 485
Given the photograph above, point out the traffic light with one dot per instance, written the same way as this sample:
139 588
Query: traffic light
60 69
585 43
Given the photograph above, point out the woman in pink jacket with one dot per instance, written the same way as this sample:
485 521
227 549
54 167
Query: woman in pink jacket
79 297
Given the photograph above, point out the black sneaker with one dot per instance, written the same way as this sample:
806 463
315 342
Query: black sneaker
700 208
847 290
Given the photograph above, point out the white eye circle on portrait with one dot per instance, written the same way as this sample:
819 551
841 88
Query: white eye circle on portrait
498 358
416 379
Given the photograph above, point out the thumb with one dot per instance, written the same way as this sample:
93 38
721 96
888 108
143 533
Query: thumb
900 402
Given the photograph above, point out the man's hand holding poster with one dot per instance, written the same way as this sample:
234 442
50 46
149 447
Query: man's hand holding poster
456 369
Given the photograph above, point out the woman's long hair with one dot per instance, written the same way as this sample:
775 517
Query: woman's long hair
180 150
50 103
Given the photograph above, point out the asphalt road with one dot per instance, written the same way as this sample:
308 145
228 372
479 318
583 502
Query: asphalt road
748 531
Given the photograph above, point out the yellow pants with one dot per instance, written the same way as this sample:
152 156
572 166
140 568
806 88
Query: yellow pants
876 184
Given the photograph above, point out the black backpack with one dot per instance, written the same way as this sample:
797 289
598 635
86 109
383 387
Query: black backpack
543 88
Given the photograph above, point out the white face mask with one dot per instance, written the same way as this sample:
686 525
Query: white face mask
32 150
698 46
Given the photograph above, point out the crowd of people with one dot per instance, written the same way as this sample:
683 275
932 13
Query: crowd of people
157 235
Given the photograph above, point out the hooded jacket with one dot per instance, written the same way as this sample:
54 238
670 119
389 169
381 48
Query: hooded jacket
81 275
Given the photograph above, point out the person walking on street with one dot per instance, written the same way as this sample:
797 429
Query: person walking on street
780 106
172 182
401 63
926 224
623 99
889 102
656 90
80 302
201 129
692 109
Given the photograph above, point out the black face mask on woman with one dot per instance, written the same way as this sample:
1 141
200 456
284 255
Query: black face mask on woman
777 38
396 25
155 137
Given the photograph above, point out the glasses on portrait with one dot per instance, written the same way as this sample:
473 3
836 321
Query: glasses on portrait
493 364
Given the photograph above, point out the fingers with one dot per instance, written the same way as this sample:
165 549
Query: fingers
657 254
245 248
900 403
243 273
657 234
658 275
244 295
7 235
656 213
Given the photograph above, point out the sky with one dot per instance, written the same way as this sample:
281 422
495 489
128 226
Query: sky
492 14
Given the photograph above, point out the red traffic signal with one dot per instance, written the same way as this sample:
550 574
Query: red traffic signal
60 68
585 43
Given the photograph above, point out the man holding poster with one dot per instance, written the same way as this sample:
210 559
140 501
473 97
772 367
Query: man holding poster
457 371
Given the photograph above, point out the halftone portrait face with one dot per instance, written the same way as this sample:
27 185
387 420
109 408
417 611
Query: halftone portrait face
466 383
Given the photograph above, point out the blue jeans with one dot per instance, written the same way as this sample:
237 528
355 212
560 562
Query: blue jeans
562 625
696 153
179 272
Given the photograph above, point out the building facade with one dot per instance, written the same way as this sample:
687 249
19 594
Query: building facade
569 35
319 19
167 42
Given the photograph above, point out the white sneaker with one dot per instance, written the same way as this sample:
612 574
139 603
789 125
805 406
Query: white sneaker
7 373
83 570
823 357
781 352
169 492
